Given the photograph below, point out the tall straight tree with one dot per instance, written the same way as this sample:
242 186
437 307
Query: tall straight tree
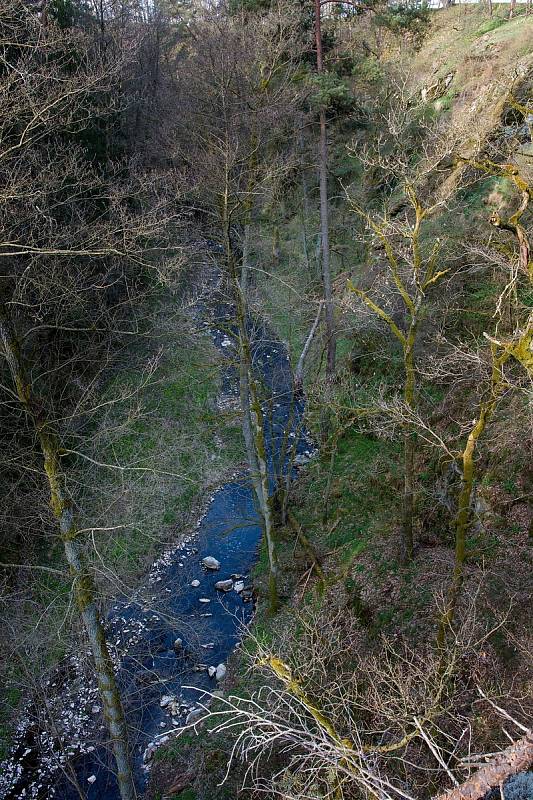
331 343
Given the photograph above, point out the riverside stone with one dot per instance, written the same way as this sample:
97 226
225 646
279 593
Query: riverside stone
224 586
210 562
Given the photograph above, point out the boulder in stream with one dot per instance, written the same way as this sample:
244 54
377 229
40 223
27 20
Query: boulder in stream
224 586
210 562
220 672
195 583
166 700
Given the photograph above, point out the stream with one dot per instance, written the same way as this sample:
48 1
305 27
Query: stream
178 601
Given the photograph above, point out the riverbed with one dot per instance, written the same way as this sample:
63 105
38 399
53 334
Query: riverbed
177 625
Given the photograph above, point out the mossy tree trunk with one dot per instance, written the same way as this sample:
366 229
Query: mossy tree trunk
409 443
252 414
83 582
464 504
424 276
331 344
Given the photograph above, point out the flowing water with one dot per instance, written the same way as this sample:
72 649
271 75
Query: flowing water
142 630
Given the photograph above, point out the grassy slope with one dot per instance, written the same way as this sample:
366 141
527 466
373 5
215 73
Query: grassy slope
175 429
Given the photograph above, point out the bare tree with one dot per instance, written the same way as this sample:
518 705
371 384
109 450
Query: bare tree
234 165
64 218
413 276
324 206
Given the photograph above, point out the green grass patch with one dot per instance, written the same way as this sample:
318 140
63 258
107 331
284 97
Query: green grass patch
170 442
489 25
362 496
174 748
187 794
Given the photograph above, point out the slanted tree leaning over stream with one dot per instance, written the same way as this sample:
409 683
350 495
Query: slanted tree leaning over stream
82 577
69 224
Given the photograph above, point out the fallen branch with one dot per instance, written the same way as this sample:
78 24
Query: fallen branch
514 759
299 371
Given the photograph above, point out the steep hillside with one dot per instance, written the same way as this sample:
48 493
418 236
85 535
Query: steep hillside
358 626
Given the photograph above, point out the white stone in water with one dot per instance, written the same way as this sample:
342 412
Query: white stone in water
91 779
220 672
224 586
195 583
166 700
239 586
178 644
204 600
211 671
210 562
95 709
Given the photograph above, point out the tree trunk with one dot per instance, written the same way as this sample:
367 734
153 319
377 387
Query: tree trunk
245 269
462 523
253 435
409 447
299 371
263 496
408 496
324 212
83 582
276 249
253 427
